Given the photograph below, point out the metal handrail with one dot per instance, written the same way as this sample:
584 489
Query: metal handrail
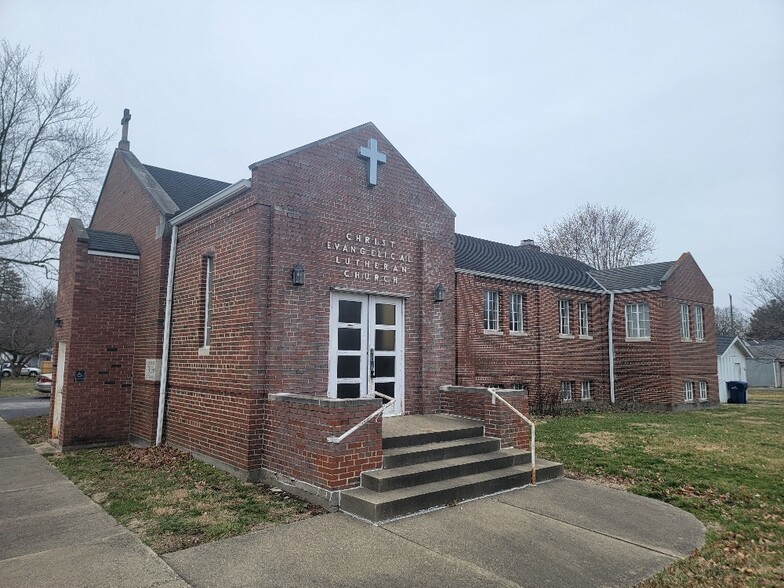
363 422
530 424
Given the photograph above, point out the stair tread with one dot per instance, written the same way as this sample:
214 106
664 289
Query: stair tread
394 451
387 473
412 491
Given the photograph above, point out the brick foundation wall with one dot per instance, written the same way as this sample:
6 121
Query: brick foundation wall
499 420
295 439
96 303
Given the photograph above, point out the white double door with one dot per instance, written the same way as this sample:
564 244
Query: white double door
366 348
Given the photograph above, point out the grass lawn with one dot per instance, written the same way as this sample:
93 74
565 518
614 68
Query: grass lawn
21 386
725 465
170 500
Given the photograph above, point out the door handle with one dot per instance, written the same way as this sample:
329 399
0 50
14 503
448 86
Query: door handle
372 363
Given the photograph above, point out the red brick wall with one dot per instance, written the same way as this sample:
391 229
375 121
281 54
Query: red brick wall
499 420
96 302
126 207
540 359
295 439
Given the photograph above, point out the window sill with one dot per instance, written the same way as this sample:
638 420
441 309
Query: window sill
685 339
699 340
586 337
566 400
519 333
565 336
689 401
703 400
492 332
585 399
204 350
633 339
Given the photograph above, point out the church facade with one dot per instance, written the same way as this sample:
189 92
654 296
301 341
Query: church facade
251 322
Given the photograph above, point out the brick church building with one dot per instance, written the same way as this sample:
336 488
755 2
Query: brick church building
250 322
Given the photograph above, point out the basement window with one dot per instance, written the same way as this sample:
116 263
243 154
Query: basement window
703 391
688 391
585 389
566 391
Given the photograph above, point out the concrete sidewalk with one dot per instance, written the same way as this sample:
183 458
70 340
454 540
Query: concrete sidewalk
562 533
53 535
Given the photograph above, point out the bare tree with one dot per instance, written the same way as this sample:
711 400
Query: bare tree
730 324
768 286
26 320
602 236
50 157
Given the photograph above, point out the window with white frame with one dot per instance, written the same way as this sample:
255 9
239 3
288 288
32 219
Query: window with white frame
585 388
699 323
685 333
209 268
584 314
491 310
688 391
566 391
518 386
517 312
563 313
638 322
703 390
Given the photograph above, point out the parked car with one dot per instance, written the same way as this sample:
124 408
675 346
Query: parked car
25 371
44 384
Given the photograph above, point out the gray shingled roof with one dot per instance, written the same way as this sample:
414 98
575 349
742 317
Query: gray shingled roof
633 278
186 190
520 263
111 242
767 350
722 342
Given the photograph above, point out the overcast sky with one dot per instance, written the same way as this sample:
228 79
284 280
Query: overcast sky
514 112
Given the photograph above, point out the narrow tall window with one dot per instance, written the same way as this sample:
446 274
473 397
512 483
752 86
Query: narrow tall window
703 390
208 278
491 310
688 391
566 391
638 323
563 312
699 323
516 313
586 390
685 333
584 313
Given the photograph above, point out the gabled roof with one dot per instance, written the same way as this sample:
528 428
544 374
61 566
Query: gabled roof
767 350
111 242
185 190
520 263
635 278
723 342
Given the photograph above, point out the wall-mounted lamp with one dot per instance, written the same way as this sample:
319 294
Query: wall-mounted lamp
58 322
438 294
298 275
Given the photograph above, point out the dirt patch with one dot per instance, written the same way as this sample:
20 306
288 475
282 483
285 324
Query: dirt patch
614 482
603 440
157 458
648 425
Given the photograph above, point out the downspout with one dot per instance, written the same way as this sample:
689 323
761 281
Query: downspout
166 337
611 347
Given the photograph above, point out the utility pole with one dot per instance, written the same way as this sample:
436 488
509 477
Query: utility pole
732 319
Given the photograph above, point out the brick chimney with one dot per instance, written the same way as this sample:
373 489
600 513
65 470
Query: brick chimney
529 244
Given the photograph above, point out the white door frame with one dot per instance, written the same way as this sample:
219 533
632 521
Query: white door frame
367 352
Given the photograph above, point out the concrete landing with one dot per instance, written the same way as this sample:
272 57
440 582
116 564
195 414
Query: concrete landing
404 426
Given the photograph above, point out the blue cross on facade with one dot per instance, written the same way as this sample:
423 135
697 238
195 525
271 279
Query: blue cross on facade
374 157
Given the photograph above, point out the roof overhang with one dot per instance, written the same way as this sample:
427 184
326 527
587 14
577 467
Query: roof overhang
526 281
212 202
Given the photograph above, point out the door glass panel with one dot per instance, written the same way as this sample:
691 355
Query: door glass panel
385 314
349 311
348 366
349 339
386 388
385 366
385 340
348 390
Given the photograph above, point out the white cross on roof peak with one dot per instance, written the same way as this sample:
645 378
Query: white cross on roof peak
374 157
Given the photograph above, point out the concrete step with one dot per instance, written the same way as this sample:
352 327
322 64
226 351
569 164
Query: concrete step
387 479
405 456
382 506
444 428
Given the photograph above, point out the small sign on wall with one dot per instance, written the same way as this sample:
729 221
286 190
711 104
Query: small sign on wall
152 370
79 375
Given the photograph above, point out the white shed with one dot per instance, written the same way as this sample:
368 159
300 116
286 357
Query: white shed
732 355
